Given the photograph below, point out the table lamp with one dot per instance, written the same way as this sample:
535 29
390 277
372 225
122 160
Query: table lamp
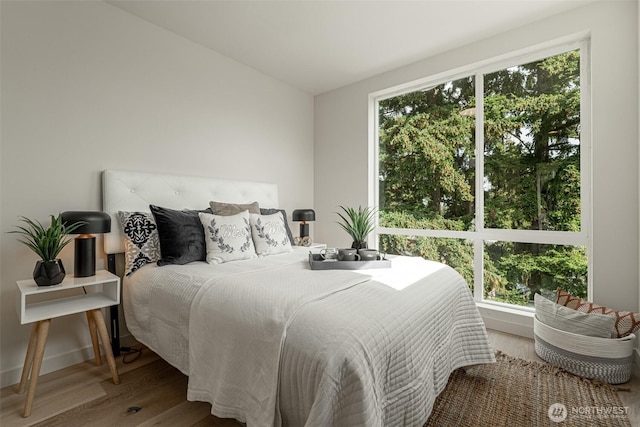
304 215
96 222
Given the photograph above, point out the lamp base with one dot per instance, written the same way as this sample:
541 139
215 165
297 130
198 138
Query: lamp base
85 256
304 229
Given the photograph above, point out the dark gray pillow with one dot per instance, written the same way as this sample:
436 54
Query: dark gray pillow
264 211
180 234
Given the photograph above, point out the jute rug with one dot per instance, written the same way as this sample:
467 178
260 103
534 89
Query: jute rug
517 393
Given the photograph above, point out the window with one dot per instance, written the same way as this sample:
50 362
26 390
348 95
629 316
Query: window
513 220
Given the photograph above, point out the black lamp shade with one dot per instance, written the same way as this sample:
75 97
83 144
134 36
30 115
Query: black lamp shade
304 215
96 222
85 244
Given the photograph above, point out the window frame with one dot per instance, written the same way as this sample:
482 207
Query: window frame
482 234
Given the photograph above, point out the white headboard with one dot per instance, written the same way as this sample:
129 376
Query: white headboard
135 191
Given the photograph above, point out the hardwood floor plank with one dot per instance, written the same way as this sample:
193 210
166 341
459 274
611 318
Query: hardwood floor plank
154 387
514 346
62 390
47 404
191 414
217 422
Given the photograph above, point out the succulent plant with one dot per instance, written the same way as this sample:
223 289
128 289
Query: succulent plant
46 242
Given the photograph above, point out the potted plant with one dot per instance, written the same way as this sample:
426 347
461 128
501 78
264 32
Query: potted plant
47 244
358 223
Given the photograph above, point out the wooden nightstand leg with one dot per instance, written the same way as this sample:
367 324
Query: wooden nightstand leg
104 337
43 331
28 359
94 338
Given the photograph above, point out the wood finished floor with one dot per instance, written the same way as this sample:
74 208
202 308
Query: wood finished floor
84 395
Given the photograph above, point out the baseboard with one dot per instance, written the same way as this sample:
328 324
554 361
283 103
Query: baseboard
59 361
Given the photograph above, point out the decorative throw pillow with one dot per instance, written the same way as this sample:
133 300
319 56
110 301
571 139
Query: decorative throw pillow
269 234
626 322
228 237
219 208
141 240
566 319
271 211
181 235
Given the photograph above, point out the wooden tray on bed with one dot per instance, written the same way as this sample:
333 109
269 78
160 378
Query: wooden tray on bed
317 263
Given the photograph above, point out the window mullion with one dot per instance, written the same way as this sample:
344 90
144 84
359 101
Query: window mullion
478 244
586 183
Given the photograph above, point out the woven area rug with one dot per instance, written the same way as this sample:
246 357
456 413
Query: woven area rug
515 392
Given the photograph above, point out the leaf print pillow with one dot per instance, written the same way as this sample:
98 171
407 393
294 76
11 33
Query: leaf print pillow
227 238
270 234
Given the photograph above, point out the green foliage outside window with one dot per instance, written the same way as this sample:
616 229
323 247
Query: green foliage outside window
531 174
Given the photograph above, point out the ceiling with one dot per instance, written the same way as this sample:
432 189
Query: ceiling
318 46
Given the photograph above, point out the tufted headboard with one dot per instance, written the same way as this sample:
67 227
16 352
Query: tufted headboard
135 191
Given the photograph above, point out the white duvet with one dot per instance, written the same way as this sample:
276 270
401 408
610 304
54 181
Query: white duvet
271 342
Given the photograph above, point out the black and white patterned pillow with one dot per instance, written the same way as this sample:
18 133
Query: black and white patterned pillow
269 234
227 237
141 242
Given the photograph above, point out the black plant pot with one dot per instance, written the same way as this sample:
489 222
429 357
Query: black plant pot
48 273
359 245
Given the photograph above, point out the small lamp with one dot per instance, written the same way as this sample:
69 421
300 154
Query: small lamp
304 215
85 243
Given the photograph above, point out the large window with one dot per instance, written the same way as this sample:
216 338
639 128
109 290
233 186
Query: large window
488 171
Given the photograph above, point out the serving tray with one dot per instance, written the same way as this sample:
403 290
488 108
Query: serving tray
317 263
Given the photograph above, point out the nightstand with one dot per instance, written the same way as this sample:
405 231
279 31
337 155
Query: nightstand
99 291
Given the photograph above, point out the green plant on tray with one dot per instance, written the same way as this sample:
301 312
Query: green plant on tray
358 223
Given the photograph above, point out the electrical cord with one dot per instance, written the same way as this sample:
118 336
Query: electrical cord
135 353
130 354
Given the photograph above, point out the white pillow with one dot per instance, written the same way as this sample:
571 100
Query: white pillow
269 234
228 238
566 319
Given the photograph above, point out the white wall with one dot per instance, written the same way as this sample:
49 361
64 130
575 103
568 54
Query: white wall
87 87
341 132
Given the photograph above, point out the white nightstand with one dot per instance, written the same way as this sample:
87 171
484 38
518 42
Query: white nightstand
101 290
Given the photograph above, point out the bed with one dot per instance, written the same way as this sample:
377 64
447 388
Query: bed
270 342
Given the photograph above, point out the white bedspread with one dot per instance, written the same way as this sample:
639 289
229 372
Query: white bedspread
237 328
157 300
282 344
385 349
